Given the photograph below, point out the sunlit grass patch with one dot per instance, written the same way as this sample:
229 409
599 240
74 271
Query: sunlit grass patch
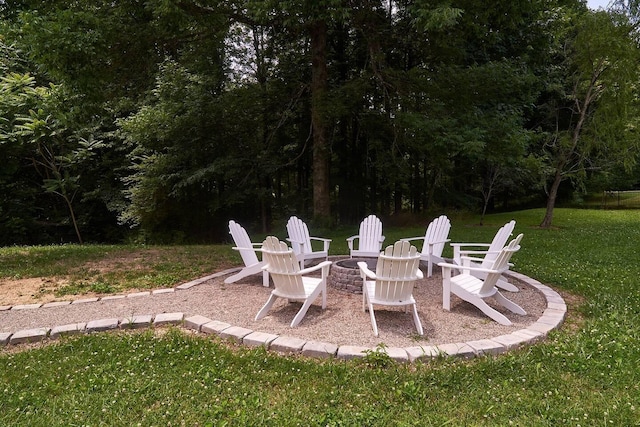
583 374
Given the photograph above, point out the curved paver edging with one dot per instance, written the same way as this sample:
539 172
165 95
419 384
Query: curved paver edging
552 318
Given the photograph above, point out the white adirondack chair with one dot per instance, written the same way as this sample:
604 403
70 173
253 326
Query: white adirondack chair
369 238
290 281
484 258
301 241
474 290
392 284
252 265
433 242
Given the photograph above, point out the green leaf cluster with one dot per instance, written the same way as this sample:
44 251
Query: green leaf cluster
167 118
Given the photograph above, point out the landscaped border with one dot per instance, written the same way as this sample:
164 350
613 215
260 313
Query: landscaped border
552 318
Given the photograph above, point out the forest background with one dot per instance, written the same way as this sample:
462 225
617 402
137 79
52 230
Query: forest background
159 120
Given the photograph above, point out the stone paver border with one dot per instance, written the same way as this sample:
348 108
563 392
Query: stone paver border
551 319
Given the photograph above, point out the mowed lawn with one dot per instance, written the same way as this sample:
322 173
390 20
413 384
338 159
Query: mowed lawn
585 374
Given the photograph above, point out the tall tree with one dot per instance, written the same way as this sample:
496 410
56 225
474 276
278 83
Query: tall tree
312 18
34 119
104 55
319 85
592 101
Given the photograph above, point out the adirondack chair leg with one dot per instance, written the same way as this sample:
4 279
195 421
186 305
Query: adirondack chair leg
364 295
433 259
301 313
509 305
503 284
324 294
416 320
235 277
239 275
325 274
374 325
265 309
367 304
491 312
456 255
305 307
249 271
446 288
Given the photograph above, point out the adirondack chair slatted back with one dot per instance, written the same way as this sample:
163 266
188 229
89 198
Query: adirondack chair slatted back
243 242
283 266
499 241
370 234
299 232
500 263
437 231
397 272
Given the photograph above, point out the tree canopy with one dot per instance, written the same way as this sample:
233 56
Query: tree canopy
170 117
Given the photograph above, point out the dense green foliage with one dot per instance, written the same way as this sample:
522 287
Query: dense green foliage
584 374
171 117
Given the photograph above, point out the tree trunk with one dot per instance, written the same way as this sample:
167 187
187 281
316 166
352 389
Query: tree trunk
575 138
488 186
551 200
67 200
321 199
583 107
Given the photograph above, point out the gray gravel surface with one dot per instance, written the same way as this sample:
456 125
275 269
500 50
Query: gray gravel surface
342 323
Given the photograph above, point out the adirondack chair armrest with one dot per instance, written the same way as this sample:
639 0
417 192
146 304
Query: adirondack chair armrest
420 274
257 247
440 241
296 245
364 269
446 265
464 252
487 270
467 260
481 245
350 241
432 244
409 239
325 242
322 265
321 239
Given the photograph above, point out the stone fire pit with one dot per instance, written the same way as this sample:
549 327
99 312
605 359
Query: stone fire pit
345 274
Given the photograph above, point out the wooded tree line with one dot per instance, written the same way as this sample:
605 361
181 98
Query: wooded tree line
166 118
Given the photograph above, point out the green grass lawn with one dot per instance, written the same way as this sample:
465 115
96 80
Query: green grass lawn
585 374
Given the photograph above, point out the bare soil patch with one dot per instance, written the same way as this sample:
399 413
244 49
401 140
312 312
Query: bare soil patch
28 291
34 290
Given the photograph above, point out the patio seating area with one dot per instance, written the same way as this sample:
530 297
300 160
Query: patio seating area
237 304
473 275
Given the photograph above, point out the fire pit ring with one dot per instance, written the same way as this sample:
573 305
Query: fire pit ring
345 274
